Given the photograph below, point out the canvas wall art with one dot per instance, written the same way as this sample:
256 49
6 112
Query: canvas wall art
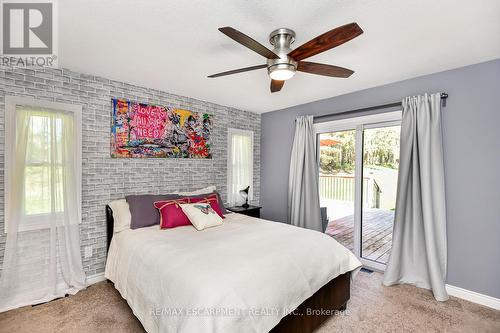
143 130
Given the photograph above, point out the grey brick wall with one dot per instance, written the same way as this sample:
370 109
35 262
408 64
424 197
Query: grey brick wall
104 178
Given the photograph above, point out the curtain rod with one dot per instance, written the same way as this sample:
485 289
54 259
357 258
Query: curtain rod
444 96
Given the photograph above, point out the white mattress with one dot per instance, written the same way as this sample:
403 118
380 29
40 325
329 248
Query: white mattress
243 276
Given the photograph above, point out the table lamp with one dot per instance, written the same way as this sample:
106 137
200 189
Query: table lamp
244 195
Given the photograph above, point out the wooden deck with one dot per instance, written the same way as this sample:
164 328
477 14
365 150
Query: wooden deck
376 233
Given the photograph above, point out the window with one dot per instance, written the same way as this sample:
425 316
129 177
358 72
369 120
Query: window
42 162
239 165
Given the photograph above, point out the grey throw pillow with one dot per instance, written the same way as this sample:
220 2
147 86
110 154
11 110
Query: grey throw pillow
143 211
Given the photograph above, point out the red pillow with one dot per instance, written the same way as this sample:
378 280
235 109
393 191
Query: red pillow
171 214
212 199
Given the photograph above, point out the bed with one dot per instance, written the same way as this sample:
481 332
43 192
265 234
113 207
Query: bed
248 275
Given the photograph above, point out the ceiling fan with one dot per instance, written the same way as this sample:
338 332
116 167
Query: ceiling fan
283 62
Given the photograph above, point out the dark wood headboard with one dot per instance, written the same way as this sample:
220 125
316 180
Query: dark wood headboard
110 222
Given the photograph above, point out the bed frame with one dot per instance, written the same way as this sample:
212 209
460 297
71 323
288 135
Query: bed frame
309 315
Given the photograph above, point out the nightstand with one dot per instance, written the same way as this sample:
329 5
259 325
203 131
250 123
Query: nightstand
253 211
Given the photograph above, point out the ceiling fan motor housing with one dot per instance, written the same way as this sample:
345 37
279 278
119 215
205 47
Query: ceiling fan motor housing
281 39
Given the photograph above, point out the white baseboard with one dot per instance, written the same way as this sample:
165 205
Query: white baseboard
473 297
95 278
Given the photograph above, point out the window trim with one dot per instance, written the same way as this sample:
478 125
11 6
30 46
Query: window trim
350 123
11 102
230 133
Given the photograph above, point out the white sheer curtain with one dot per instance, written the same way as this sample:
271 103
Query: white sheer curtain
42 259
240 165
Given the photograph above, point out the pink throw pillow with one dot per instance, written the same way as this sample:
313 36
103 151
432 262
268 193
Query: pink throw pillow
213 200
171 214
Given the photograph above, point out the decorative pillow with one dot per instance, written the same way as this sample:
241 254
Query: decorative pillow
121 215
201 215
221 204
171 214
143 211
205 190
212 199
221 209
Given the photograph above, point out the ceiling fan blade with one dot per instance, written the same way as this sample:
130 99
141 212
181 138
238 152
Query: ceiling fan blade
326 41
240 70
276 85
248 42
322 69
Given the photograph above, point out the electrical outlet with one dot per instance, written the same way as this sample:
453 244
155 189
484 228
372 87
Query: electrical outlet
88 251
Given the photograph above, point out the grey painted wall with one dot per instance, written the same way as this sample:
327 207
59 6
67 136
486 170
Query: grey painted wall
104 178
471 130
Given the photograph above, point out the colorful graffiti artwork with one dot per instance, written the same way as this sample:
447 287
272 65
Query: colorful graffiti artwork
142 130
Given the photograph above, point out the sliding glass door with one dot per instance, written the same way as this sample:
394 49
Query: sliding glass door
358 162
380 177
336 183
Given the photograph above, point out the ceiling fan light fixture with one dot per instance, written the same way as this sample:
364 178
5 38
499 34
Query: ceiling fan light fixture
281 72
282 62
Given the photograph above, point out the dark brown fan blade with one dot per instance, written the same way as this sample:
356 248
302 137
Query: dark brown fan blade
322 69
248 42
326 41
240 70
276 85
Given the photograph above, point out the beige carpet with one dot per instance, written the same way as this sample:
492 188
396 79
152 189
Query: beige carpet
373 308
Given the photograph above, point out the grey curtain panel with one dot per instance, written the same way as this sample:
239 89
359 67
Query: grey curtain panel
418 254
303 193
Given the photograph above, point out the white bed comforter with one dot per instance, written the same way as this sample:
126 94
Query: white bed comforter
240 277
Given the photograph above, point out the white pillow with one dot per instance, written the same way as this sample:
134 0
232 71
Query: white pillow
208 189
201 215
121 215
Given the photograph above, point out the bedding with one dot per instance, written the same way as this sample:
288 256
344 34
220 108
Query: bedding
222 209
242 276
212 199
171 214
121 215
143 211
201 215
205 190
221 204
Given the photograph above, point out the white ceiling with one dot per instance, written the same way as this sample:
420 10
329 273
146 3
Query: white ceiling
173 45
